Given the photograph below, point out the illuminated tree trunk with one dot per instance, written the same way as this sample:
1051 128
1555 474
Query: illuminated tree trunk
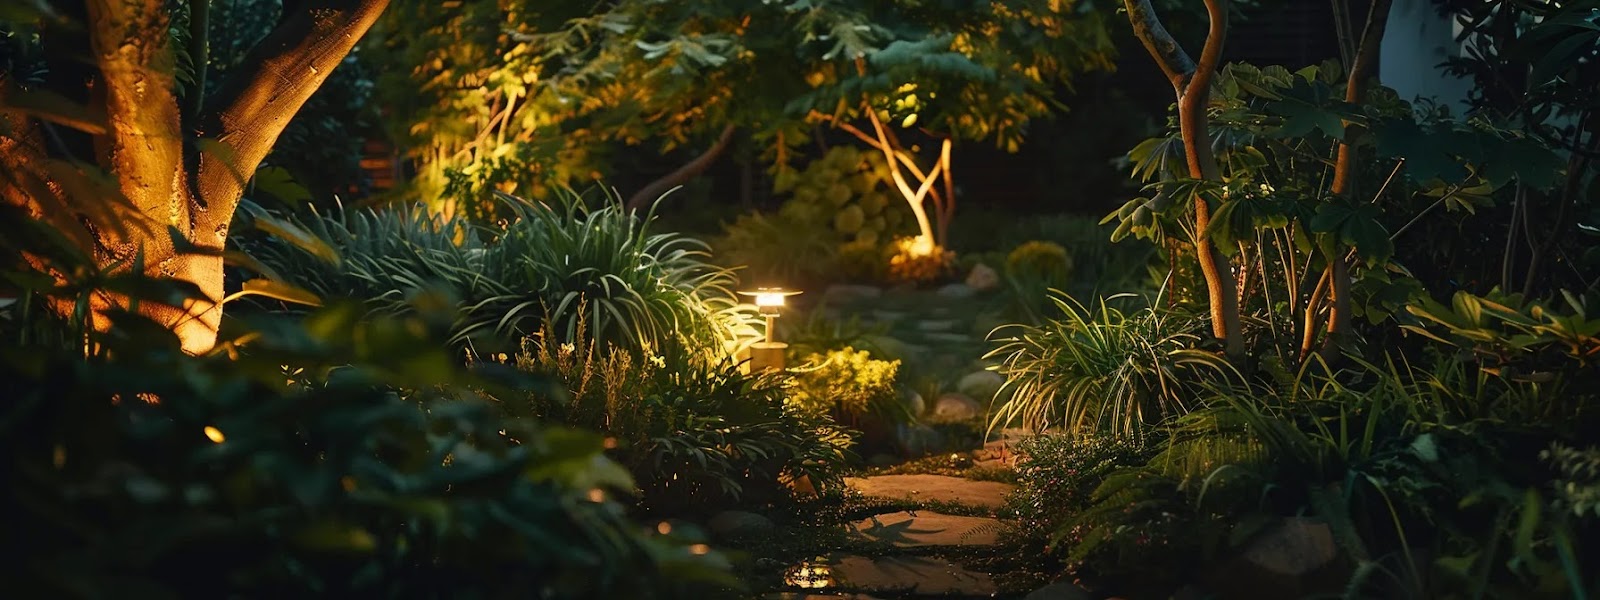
1191 82
1362 71
182 182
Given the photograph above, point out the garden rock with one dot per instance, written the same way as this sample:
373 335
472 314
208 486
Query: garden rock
914 402
936 325
917 439
1293 559
983 278
956 406
738 523
927 528
981 385
957 291
1060 590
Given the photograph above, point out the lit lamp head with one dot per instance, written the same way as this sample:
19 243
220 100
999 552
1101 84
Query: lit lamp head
769 299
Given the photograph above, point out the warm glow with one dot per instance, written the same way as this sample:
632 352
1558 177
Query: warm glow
917 246
214 434
699 549
769 299
809 575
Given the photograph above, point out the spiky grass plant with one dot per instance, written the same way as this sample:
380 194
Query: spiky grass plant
635 288
1102 369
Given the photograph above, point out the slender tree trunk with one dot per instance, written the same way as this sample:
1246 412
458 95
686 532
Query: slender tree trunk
1192 84
1363 71
652 192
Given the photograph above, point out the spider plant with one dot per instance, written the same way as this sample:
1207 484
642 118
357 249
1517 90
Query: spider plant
1100 370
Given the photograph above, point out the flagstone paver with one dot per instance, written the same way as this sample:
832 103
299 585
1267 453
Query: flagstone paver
908 574
927 528
933 488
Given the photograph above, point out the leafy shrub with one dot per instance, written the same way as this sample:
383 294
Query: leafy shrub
1043 261
850 385
846 189
1101 371
374 471
777 248
862 261
694 435
1058 473
633 287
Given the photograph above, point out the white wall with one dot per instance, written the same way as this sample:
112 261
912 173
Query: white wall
1416 41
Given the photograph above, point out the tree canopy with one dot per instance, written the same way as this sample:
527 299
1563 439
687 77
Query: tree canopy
524 94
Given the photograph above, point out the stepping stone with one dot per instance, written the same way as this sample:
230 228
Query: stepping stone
909 574
934 488
927 528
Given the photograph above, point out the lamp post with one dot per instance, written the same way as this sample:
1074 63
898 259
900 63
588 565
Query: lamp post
768 355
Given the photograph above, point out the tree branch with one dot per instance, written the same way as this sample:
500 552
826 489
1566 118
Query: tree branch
1174 62
683 174
258 100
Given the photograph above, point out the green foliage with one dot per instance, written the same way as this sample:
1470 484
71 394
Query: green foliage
1513 337
848 384
332 454
777 248
862 261
565 262
695 436
1047 262
1577 484
847 189
1058 473
1102 370
535 95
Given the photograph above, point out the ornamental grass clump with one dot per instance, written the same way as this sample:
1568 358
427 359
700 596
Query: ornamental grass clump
551 261
1101 370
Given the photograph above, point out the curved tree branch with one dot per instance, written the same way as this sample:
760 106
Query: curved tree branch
1174 62
683 174
257 101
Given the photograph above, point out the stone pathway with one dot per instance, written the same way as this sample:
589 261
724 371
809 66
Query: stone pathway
933 488
919 537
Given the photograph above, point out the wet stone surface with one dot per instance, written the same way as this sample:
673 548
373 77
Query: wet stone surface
923 528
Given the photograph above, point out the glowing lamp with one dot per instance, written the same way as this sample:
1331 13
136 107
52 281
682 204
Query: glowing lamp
768 355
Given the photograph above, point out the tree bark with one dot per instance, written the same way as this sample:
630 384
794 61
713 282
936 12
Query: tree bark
1191 82
1362 72
169 185
650 193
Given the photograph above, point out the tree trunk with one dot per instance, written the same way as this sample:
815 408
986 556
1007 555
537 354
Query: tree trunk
175 186
1191 82
1361 72
652 192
